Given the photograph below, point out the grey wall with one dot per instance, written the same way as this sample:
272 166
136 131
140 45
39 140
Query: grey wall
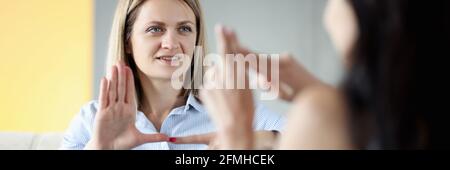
104 14
271 26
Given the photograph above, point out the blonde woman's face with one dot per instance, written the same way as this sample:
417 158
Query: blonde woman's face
163 28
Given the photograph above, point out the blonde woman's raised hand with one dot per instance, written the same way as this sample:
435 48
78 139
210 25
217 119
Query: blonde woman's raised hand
114 124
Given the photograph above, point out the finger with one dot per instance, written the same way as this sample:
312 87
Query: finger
264 66
265 139
267 61
220 39
207 97
195 139
233 44
286 92
224 68
244 51
232 40
113 85
148 138
131 92
263 83
213 78
224 45
213 145
103 96
121 83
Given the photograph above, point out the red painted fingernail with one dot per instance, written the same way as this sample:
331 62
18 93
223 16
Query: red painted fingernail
172 139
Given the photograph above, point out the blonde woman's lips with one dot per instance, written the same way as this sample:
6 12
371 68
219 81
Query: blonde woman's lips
167 60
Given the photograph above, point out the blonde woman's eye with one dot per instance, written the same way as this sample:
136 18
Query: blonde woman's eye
154 30
185 29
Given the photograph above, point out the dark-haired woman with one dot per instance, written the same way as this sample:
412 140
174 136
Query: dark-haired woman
386 98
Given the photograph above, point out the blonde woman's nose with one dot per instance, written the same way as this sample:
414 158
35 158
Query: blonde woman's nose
170 42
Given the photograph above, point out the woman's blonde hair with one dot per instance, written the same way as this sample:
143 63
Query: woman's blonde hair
125 16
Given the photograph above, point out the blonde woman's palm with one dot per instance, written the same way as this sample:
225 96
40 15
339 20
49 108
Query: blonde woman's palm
114 125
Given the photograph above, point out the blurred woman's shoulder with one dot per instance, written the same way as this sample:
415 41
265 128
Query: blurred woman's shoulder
317 120
322 98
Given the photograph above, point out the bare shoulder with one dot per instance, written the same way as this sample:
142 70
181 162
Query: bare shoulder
317 120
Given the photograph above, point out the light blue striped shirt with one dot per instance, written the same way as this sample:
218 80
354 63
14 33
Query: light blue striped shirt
190 119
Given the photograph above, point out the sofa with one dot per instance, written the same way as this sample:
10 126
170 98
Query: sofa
30 141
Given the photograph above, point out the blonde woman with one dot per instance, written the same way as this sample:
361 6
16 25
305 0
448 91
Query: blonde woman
137 107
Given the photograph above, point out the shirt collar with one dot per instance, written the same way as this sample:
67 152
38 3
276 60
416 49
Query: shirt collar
193 103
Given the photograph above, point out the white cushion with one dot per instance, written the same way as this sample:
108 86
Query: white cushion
30 141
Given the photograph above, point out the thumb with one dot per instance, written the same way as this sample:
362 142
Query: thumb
286 92
149 138
195 139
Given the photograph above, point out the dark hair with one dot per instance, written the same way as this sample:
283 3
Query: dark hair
393 74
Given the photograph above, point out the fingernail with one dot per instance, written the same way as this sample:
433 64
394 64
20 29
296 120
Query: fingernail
172 140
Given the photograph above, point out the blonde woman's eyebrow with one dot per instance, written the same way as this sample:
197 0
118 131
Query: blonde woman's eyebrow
156 23
185 22
164 24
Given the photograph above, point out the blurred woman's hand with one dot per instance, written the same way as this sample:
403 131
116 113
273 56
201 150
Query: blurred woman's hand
232 111
230 108
114 125
293 77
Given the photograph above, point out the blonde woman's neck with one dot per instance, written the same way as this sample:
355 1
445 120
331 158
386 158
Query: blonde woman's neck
160 98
